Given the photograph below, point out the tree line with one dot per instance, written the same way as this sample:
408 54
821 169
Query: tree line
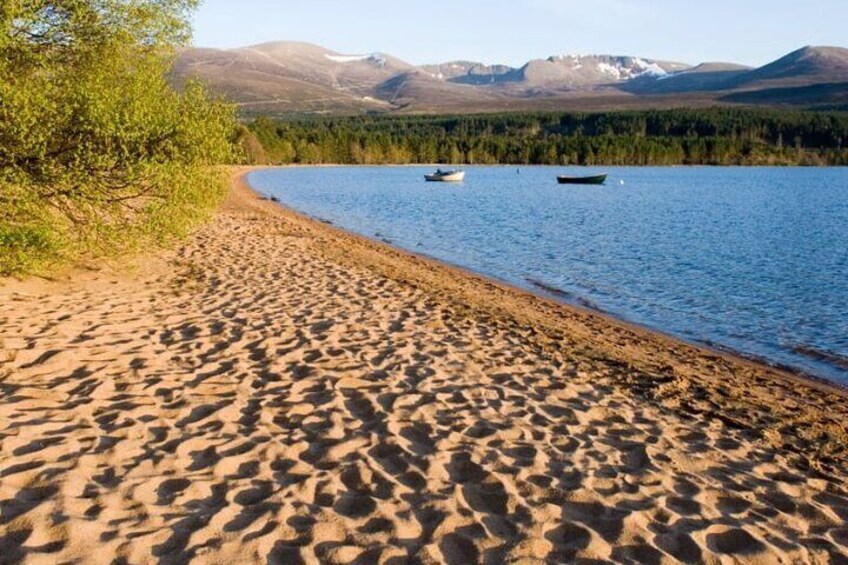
716 136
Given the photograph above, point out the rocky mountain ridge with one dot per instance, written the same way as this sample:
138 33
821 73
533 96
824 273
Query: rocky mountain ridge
301 77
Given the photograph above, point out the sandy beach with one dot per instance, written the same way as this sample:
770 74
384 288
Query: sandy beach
278 391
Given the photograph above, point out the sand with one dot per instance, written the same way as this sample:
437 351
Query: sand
279 391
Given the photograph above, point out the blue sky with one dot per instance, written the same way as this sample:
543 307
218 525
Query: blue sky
513 31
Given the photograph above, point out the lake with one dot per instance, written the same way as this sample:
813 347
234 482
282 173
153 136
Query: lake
753 260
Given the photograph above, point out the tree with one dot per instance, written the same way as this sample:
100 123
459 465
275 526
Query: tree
91 130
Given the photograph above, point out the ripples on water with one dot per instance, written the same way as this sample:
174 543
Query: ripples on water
750 259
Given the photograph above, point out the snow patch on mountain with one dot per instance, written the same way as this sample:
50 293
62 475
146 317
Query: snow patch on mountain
649 68
375 58
676 74
630 69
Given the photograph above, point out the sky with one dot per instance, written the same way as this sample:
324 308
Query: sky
752 32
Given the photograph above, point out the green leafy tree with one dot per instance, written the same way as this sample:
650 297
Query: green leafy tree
97 150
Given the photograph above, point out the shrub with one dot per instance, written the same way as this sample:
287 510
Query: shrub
97 152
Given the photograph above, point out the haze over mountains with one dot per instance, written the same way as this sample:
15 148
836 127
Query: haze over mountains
284 77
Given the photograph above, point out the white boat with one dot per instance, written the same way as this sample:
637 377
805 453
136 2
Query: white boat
445 176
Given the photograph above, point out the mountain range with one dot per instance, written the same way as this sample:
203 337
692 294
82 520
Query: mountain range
293 77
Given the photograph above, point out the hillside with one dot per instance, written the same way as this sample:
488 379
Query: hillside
291 77
804 67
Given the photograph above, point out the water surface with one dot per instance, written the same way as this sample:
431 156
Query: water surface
753 260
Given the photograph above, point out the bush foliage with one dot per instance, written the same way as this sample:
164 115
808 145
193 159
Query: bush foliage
97 151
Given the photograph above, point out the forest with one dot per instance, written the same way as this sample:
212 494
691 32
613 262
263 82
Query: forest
716 136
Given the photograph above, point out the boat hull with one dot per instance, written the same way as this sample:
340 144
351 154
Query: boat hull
593 179
458 176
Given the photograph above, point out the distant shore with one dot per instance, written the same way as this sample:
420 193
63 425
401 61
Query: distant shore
708 136
279 390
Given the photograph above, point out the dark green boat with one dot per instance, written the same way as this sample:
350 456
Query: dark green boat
593 179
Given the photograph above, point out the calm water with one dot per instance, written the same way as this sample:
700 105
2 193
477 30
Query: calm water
753 260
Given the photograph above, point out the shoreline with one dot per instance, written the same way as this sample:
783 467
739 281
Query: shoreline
783 371
513 166
656 354
277 390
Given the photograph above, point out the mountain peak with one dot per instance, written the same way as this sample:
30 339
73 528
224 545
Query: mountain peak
822 51
295 76
822 54
286 47
803 66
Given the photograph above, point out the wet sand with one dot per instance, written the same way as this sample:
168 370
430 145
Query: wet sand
279 391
